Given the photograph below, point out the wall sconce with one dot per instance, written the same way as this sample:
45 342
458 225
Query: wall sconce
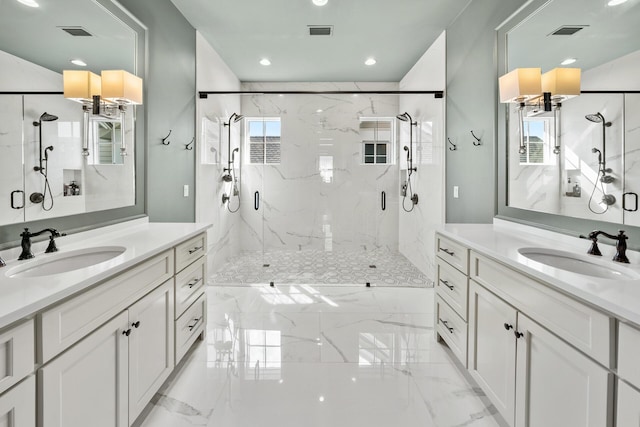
107 95
527 87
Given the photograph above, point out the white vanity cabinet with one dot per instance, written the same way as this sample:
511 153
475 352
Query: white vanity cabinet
105 352
542 358
451 284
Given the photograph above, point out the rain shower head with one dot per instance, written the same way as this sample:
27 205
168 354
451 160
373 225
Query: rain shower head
597 118
46 117
238 118
405 117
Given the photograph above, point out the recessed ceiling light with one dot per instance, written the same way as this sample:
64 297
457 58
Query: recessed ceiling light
30 3
370 61
568 61
615 2
320 2
265 62
319 110
78 62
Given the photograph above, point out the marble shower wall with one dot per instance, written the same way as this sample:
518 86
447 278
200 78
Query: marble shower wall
417 228
320 196
212 74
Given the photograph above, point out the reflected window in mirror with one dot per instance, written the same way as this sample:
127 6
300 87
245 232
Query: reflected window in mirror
105 140
539 141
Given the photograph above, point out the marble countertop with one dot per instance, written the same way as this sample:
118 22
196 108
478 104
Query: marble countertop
23 297
501 241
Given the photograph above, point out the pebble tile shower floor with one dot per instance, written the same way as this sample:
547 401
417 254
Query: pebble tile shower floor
378 267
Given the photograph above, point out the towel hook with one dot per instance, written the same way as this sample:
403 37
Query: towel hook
187 146
453 146
164 140
477 141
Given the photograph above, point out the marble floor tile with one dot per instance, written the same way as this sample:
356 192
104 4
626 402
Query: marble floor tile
368 357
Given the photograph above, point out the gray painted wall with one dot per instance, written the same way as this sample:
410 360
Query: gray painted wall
471 105
170 105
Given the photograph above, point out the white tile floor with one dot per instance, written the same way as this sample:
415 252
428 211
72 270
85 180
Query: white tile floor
320 356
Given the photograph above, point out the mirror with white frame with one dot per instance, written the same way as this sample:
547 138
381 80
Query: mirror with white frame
579 161
42 169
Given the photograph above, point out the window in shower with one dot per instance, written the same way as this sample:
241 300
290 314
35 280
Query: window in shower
263 140
376 135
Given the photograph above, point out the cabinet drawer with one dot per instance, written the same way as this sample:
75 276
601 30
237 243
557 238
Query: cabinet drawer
189 326
189 285
580 325
453 287
17 354
18 405
68 322
452 329
628 351
190 251
453 253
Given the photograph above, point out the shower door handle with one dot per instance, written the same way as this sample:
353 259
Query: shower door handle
13 205
256 200
383 201
635 202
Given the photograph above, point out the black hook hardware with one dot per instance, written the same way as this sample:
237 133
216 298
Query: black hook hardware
453 146
187 146
164 140
477 141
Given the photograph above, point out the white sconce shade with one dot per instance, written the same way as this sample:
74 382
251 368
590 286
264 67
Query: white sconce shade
562 82
520 85
80 85
121 87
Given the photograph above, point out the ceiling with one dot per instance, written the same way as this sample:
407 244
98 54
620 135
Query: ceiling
610 32
394 32
33 34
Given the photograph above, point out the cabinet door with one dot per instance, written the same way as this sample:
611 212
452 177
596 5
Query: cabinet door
151 352
628 411
18 405
492 348
87 385
556 384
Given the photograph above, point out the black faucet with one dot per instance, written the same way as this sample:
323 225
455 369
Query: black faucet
26 242
621 244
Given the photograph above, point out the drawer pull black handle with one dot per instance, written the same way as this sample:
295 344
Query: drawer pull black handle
127 332
256 200
195 322
447 251
508 326
195 282
136 324
383 201
194 250
13 205
446 325
518 334
446 283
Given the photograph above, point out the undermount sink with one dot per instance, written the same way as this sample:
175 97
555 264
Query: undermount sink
65 261
586 265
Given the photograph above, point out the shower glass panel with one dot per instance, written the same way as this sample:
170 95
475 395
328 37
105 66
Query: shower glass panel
320 189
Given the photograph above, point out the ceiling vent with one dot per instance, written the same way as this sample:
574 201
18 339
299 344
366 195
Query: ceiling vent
320 30
568 30
76 31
